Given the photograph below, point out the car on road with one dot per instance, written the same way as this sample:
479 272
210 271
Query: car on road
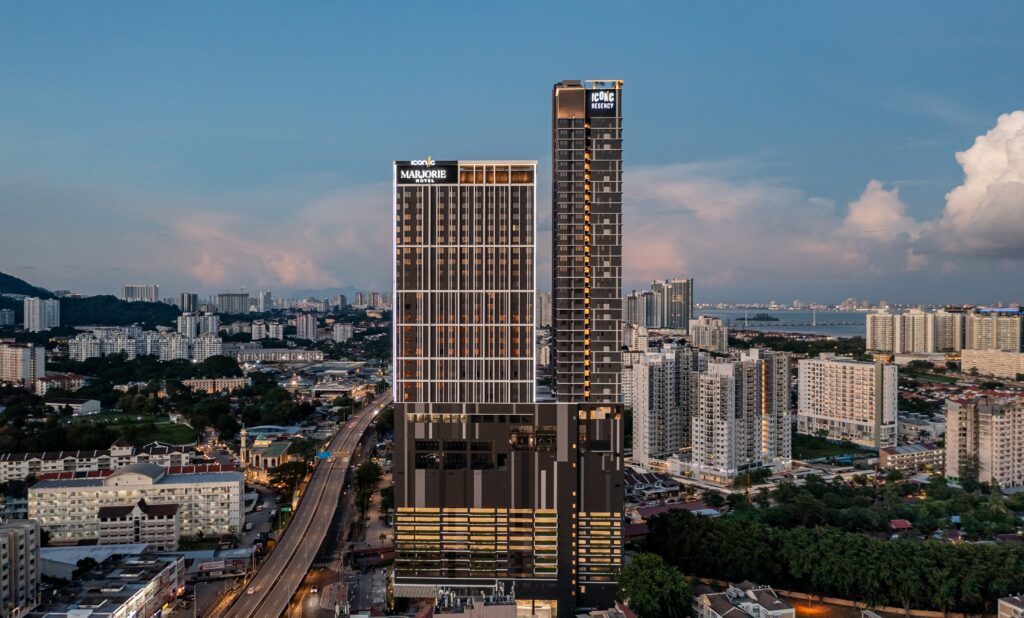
259 507
248 526
251 590
314 590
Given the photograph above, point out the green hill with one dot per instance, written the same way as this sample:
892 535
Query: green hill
9 284
110 311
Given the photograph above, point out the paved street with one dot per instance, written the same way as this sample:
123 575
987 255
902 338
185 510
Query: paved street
269 593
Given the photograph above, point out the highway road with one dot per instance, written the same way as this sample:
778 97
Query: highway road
283 571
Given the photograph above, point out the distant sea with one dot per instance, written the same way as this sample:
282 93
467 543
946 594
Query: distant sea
831 323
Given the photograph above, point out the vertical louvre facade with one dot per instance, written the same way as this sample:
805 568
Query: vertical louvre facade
464 281
587 240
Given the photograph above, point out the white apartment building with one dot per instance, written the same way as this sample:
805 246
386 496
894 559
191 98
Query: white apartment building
205 346
914 332
276 331
156 525
208 502
342 332
118 344
543 309
20 466
279 355
209 323
41 314
636 338
264 301
149 293
741 417
22 363
188 325
657 386
216 385
843 399
174 347
307 326
995 329
84 346
258 330
20 567
987 432
709 334
994 363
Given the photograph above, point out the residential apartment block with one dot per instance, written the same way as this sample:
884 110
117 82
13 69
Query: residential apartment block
741 420
20 568
20 466
208 502
22 363
709 334
156 525
658 386
995 329
995 363
41 314
915 332
844 399
986 433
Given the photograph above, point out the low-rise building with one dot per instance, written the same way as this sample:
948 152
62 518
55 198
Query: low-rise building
209 503
70 382
217 385
264 455
21 466
915 428
278 355
1011 607
911 458
19 567
156 525
995 363
743 600
78 406
121 587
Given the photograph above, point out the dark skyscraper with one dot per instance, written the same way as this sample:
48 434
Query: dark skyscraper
493 490
586 255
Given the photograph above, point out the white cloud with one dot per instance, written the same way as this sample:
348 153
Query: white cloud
880 214
984 216
708 221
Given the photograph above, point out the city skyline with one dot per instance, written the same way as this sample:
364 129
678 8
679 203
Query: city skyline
741 139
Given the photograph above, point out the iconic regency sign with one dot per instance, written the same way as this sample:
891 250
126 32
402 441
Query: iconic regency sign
602 102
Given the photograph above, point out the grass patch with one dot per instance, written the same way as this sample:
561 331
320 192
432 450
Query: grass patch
813 447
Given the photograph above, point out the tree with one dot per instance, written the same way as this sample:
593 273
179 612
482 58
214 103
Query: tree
287 476
368 474
83 566
714 499
655 589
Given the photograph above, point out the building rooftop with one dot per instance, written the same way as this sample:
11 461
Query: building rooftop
151 510
167 479
906 449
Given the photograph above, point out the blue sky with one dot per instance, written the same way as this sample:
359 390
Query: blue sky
211 146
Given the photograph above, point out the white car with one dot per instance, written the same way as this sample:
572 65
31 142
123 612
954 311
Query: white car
251 590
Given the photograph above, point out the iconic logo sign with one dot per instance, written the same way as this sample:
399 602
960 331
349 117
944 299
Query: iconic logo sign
601 102
426 172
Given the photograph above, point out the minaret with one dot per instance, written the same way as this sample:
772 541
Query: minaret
245 451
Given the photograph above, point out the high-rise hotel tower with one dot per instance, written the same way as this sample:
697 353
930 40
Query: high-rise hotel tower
493 490
586 254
